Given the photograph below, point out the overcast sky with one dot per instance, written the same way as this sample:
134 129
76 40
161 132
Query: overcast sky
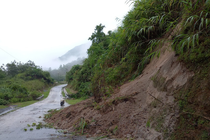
40 30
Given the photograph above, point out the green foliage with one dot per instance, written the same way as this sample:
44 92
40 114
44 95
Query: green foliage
2 74
122 55
27 71
51 113
3 102
192 43
98 35
115 130
22 82
82 125
148 123
75 101
33 124
72 72
34 85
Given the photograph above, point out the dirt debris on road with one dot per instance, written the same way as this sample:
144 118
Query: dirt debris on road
141 109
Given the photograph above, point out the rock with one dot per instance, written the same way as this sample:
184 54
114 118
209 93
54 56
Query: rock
128 135
93 123
99 131
111 128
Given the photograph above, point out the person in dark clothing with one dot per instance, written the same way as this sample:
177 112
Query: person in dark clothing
62 102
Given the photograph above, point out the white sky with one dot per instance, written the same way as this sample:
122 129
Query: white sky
40 30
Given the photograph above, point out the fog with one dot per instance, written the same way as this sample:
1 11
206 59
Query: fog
44 30
78 52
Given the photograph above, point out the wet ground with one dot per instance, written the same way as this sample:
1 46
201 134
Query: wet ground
8 109
13 124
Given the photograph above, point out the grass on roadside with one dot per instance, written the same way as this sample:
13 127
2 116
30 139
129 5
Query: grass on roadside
74 101
3 106
46 93
63 94
19 104
69 90
23 104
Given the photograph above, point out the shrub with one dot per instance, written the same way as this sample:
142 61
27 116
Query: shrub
3 102
14 100
35 94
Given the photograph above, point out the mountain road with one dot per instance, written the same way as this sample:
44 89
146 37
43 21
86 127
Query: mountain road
13 125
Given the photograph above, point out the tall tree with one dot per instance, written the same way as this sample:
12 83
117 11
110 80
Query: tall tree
98 34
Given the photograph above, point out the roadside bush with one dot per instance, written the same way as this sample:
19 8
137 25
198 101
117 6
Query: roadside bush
76 95
84 89
14 100
18 88
3 102
34 85
35 94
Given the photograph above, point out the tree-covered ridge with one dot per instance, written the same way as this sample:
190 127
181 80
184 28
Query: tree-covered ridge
22 81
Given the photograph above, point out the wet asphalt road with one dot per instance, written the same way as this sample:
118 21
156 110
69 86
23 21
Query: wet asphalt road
12 125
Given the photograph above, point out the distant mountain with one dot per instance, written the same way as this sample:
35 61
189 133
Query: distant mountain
77 52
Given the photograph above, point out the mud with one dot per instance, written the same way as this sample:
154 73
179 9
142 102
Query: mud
12 124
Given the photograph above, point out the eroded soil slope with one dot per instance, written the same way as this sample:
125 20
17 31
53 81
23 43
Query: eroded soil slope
141 109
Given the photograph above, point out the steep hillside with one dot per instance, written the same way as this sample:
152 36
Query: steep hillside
143 108
149 79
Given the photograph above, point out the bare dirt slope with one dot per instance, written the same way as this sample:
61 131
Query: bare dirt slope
141 109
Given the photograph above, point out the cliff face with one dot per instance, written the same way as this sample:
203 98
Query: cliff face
144 108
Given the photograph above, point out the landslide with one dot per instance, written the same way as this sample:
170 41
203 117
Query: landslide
169 99
143 108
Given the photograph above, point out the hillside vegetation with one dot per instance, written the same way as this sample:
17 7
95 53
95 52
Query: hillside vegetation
120 56
21 82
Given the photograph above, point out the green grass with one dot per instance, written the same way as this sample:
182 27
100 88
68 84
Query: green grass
23 104
46 93
63 94
19 104
74 101
68 90
3 106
